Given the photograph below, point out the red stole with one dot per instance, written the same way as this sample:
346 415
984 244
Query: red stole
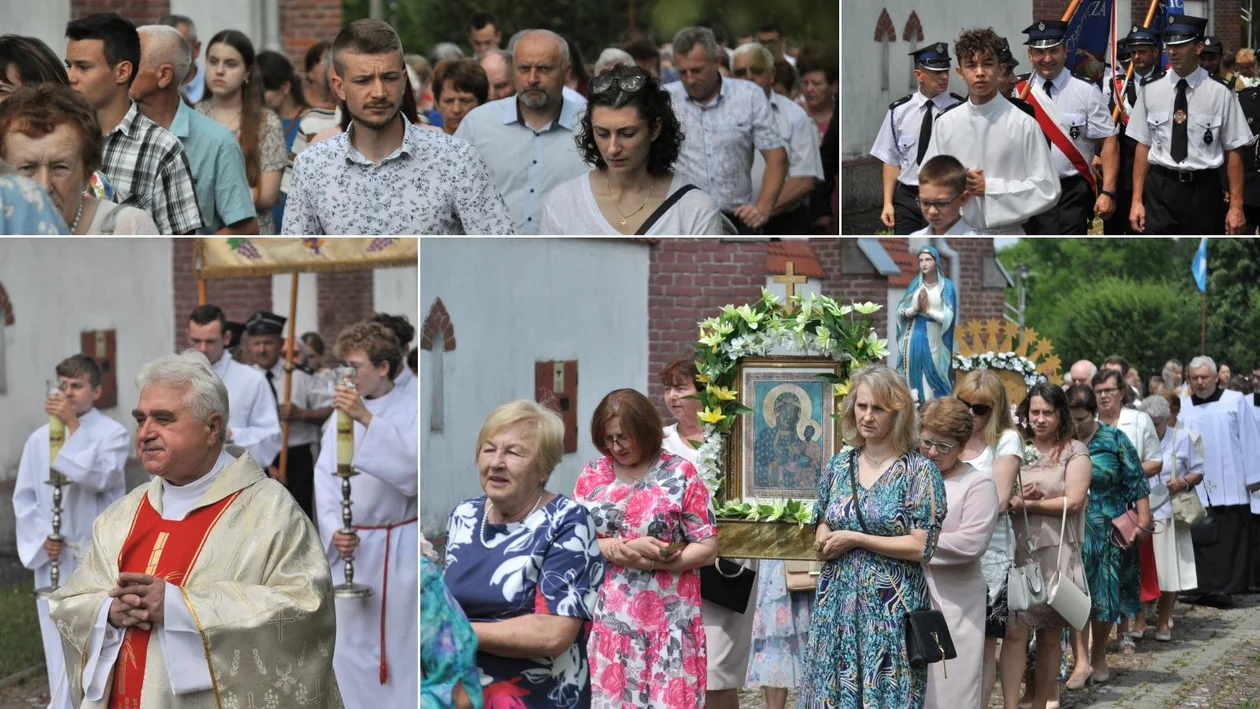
167 549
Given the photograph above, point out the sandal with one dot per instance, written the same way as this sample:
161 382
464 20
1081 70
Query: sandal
1164 636
1127 645
1074 685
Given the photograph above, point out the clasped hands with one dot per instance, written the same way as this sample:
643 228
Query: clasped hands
643 553
829 545
1030 491
138 601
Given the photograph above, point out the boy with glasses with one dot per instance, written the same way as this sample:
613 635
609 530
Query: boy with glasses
942 194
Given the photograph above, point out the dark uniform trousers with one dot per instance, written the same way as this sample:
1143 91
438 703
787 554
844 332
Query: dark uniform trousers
906 211
299 474
1178 203
1119 221
1072 215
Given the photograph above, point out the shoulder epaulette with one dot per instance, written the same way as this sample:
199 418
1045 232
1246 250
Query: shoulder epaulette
892 106
1155 76
960 99
1024 106
1220 80
1023 77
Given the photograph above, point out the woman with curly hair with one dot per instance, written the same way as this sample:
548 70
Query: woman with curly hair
630 135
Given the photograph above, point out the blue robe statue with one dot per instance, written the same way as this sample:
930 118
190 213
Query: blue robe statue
925 338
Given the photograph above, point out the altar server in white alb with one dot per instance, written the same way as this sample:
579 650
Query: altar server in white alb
375 655
1231 477
254 423
92 460
1009 175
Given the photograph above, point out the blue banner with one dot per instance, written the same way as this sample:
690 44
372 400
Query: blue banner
1088 39
1199 266
1162 11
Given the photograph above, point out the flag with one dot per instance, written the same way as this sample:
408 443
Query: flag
1088 35
1199 267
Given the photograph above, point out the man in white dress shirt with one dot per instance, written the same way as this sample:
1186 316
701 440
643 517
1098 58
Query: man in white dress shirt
791 214
252 423
1188 123
1231 469
92 459
1009 175
904 136
1077 119
376 636
310 405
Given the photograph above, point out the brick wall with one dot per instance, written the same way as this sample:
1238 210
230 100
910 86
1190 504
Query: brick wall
344 299
978 300
1227 24
238 297
306 22
139 12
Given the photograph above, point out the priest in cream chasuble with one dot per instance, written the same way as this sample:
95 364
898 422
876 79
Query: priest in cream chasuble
208 587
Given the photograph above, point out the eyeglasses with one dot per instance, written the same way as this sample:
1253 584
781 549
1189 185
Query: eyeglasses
927 444
940 204
978 409
630 83
742 72
1110 391
617 441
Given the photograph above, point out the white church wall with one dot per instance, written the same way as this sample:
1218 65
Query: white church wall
44 19
394 291
307 300
259 19
61 287
513 303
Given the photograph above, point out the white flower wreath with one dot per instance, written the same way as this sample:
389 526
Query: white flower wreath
1009 361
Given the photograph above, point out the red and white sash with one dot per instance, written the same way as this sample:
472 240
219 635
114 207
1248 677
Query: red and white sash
1052 123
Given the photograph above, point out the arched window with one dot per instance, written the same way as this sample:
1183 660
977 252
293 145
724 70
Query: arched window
6 319
914 35
437 336
885 34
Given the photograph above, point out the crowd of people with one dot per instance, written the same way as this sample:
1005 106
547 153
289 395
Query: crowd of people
209 434
971 504
1176 156
146 131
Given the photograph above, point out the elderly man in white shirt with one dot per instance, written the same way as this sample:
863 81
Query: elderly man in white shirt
725 122
527 140
252 420
755 63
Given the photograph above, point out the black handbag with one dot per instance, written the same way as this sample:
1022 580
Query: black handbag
1205 533
729 589
927 634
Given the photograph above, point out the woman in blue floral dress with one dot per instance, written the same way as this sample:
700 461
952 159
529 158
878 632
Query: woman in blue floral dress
875 536
524 565
1118 483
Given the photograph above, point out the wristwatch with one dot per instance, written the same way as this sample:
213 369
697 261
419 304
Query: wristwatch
1109 193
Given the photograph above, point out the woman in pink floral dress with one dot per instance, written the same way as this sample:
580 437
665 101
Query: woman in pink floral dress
647 642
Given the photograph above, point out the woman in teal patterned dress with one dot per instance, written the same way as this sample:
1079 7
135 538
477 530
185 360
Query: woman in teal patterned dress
856 655
1118 482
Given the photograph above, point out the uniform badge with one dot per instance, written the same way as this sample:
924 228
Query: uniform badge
1041 26
940 47
1250 120
1075 132
1179 117
1207 137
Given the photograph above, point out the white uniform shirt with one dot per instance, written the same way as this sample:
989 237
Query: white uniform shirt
307 392
959 228
1084 112
898 141
251 409
1011 149
1213 110
1231 447
801 134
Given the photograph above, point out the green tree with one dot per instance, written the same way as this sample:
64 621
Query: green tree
1233 302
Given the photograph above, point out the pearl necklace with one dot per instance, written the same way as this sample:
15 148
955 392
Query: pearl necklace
78 215
485 515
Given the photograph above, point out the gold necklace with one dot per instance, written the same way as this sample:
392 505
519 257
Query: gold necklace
625 218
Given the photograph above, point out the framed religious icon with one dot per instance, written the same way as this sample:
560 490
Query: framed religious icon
778 450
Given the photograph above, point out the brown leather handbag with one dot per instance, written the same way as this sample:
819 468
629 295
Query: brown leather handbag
802 575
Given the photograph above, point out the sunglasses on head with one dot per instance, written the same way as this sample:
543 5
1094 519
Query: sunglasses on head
631 83
978 409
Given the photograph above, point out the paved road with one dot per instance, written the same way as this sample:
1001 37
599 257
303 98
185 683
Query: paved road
1212 663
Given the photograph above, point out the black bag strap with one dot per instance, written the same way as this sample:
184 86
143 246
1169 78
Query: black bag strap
669 202
857 501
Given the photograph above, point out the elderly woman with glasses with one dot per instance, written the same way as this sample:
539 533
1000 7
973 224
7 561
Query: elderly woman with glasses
523 564
654 521
954 576
630 135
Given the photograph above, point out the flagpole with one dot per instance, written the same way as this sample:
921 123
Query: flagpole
1128 74
1203 333
1067 17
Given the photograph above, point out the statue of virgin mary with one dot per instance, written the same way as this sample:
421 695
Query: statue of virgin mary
925 329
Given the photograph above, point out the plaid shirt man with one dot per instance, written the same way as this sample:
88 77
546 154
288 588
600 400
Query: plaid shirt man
149 170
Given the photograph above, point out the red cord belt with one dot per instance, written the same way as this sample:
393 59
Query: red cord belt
384 581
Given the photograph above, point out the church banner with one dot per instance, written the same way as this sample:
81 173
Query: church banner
238 256
1087 39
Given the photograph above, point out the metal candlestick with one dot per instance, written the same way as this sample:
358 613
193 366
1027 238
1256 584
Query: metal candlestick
345 471
56 439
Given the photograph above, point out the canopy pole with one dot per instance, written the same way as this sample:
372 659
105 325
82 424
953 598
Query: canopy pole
1128 73
288 378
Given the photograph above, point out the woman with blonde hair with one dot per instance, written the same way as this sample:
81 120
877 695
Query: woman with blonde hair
1246 66
879 512
530 630
995 448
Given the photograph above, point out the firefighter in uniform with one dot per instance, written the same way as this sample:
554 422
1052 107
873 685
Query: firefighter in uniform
1142 46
